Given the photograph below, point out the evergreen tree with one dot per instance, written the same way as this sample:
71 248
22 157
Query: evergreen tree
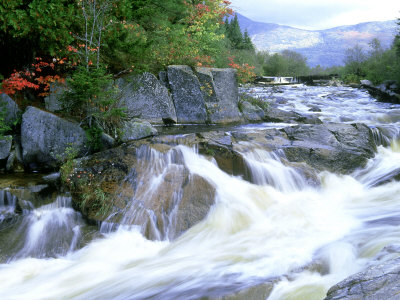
235 34
247 43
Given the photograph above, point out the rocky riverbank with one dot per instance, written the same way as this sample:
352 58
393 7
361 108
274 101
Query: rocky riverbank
117 186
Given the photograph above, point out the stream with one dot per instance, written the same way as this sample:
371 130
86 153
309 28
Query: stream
279 229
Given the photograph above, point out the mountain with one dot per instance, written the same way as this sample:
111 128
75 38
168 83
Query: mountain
321 47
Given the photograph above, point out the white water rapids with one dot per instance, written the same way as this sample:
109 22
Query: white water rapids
305 237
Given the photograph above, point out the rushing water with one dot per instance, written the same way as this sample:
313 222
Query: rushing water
277 227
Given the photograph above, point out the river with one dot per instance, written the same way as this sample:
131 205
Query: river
279 228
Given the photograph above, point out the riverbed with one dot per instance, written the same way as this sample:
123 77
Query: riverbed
295 238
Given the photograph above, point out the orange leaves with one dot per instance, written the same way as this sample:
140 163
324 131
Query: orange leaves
244 71
20 80
16 82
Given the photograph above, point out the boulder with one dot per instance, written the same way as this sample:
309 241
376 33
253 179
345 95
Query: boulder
385 92
12 110
340 148
175 202
273 114
220 90
145 97
187 95
53 100
45 139
379 281
252 113
163 77
135 130
5 146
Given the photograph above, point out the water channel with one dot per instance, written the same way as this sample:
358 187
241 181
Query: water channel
280 229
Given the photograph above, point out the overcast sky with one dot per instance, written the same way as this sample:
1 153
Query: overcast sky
318 14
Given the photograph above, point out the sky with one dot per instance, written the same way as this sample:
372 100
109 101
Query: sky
317 14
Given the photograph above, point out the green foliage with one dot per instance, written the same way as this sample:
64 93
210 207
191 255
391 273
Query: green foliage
91 98
287 63
260 102
4 127
32 28
68 165
376 65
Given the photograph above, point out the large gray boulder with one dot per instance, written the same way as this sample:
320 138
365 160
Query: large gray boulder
340 148
187 95
226 88
378 282
53 101
252 113
220 90
45 139
12 110
145 97
5 147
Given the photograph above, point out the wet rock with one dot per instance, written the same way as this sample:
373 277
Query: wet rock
52 178
379 281
144 96
187 95
257 292
113 186
46 137
273 114
335 147
385 92
252 112
15 162
107 141
135 130
12 109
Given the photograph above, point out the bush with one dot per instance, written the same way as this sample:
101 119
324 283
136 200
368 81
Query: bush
260 102
92 99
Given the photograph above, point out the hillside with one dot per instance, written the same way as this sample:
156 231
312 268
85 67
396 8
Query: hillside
321 47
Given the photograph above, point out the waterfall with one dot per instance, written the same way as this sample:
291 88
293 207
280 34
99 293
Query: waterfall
273 227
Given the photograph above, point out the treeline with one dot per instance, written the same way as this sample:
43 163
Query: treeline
375 64
88 43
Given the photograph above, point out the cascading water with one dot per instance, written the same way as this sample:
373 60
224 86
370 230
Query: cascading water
278 226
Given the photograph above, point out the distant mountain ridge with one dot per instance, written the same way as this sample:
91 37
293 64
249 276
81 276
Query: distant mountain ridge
321 47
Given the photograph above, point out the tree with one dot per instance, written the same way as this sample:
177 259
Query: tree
34 28
354 59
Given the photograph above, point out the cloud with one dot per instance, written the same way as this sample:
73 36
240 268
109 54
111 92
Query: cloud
321 14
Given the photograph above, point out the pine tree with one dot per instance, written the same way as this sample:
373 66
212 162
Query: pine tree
235 34
247 43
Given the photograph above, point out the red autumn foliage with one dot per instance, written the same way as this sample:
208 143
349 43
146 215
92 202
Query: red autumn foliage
32 78
244 71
